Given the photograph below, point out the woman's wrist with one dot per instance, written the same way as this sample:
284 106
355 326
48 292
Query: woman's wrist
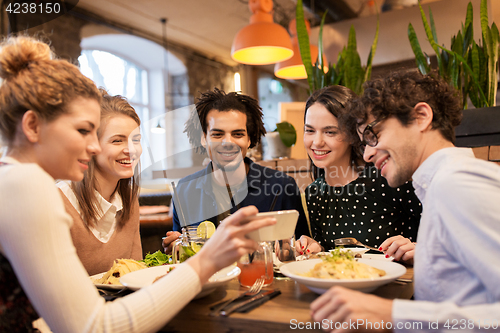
205 267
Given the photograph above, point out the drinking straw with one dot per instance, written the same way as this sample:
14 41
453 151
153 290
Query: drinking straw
274 200
228 187
179 207
176 197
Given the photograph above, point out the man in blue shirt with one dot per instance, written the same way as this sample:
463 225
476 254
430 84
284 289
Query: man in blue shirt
225 126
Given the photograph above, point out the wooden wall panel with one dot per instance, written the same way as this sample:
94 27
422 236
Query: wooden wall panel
293 112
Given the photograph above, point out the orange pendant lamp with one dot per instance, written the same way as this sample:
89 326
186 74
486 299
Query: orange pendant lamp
294 68
262 42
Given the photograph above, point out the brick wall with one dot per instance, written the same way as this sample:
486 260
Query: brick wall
62 32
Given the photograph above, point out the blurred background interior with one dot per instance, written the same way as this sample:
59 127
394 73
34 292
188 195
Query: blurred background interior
162 54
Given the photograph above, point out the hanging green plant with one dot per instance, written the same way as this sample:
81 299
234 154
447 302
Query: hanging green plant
287 133
348 71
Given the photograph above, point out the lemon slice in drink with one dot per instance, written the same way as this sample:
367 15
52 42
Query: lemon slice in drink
196 246
205 229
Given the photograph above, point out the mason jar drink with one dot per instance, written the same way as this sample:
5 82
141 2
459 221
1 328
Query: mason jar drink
188 244
255 265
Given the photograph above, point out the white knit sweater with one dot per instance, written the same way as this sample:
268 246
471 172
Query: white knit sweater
35 237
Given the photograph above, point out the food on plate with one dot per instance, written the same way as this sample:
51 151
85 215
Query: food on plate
120 268
156 259
318 255
168 271
342 265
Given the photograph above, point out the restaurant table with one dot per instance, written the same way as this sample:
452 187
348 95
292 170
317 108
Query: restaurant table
281 313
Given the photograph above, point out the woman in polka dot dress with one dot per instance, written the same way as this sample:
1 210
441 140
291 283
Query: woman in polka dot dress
349 198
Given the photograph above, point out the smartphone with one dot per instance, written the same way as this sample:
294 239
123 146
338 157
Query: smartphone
286 220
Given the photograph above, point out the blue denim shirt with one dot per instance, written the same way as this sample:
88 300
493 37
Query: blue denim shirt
196 191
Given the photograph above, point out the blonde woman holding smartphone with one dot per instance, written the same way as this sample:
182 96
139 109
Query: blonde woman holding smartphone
49 116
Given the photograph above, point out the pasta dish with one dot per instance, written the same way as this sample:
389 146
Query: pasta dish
120 268
341 265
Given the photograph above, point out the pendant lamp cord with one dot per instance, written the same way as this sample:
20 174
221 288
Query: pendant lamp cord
166 80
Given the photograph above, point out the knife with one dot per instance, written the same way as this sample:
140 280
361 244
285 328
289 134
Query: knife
256 300
249 307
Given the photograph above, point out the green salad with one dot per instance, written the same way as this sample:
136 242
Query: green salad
156 259
339 253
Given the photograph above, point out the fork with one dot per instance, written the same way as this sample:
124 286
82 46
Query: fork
254 290
109 292
353 241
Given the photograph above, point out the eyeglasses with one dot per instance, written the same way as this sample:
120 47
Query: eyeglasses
369 136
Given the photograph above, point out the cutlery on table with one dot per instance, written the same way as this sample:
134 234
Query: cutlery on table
252 302
353 241
254 290
110 295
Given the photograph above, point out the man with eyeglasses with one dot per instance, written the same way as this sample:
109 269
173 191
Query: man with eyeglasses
406 123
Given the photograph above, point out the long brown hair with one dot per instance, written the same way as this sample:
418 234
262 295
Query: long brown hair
127 188
336 100
33 79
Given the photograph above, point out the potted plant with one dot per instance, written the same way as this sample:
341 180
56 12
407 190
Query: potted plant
348 70
280 141
472 68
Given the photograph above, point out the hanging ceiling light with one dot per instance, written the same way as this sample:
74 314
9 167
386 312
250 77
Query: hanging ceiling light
294 68
159 129
262 42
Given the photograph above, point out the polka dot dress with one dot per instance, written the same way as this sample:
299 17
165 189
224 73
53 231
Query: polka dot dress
367 209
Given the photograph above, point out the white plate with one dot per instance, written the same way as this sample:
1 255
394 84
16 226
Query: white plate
145 277
377 257
393 271
355 250
306 257
105 286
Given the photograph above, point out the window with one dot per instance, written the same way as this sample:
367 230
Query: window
271 93
134 67
118 76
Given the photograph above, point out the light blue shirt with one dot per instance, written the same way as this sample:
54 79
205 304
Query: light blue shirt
457 257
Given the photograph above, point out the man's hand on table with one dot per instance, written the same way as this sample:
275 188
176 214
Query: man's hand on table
348 306
168 242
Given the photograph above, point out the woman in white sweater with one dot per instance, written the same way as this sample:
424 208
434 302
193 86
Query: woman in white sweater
49 114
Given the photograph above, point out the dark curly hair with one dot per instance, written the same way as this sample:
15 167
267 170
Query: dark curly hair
220 101
396 96
336 100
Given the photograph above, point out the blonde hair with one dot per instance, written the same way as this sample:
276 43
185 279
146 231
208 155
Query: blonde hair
127 188
33 79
